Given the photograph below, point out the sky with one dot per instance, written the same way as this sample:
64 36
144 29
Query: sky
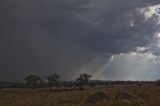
109 39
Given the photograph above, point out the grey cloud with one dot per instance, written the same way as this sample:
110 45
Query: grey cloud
64 36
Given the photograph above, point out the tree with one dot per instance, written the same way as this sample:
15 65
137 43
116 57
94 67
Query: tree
83 79
33 81
53 80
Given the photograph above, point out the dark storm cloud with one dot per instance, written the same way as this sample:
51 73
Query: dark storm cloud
62 36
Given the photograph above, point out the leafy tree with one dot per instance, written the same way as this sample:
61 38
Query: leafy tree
83 79
53 80
32 81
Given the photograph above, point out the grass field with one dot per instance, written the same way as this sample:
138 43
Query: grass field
145 95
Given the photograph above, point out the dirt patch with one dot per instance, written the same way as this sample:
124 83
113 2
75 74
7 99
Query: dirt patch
126 97
97 97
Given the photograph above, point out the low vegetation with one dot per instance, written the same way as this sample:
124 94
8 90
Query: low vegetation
119 95
53 92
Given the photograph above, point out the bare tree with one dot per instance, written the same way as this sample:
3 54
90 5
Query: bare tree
83 79
32 81
53 80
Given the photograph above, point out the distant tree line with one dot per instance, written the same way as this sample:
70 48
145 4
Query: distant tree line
53 81
34 81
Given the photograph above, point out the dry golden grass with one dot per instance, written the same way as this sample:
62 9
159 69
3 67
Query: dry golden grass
147 95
